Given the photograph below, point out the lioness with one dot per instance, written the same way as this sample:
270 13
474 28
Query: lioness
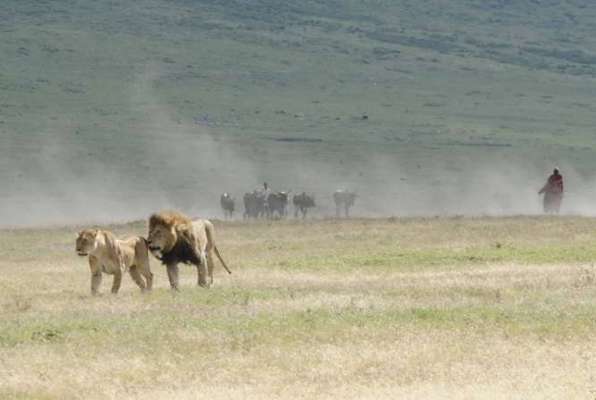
174 238
112 256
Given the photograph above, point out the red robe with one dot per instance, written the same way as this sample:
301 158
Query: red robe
553 193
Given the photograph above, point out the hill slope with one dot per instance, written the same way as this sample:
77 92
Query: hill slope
111 109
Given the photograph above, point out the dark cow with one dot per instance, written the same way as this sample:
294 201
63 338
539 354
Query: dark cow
228 204
302 202
254 204
277 203
343 199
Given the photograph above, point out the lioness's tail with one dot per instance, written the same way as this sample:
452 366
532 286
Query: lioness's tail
221 259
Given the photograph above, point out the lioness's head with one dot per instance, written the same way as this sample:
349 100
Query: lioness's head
86 242
163 230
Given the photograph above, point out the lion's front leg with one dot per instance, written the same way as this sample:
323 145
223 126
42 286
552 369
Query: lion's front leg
117 281
173 275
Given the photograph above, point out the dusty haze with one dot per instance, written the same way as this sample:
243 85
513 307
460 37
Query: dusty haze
191 175
61 177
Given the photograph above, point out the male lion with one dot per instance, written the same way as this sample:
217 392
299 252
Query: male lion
174 238
111 256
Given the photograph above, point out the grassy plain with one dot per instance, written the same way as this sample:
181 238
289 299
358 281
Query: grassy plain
110 109
446 308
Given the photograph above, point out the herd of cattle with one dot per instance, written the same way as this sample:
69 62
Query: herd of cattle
263 203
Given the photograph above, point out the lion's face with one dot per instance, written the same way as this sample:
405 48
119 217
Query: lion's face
86 242
161 239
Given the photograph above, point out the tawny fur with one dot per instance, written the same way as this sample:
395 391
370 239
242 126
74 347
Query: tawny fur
174 238
169 219
112 256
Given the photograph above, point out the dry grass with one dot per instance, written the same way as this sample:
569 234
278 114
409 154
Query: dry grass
415 308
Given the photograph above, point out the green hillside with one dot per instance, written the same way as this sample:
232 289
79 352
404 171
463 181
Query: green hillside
111 109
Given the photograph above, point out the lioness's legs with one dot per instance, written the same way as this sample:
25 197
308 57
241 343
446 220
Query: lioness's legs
142 264
116 282
136 276
173 275
95 269
95 282
149 278
144 269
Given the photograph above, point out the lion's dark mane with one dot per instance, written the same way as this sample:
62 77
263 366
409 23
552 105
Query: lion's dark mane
182 252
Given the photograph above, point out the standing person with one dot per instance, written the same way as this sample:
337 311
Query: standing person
553 192
266 189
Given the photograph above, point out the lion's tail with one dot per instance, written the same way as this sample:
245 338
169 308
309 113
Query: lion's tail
210 237
221 259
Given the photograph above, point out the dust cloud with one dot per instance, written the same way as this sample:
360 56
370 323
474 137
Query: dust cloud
169 163
189 173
